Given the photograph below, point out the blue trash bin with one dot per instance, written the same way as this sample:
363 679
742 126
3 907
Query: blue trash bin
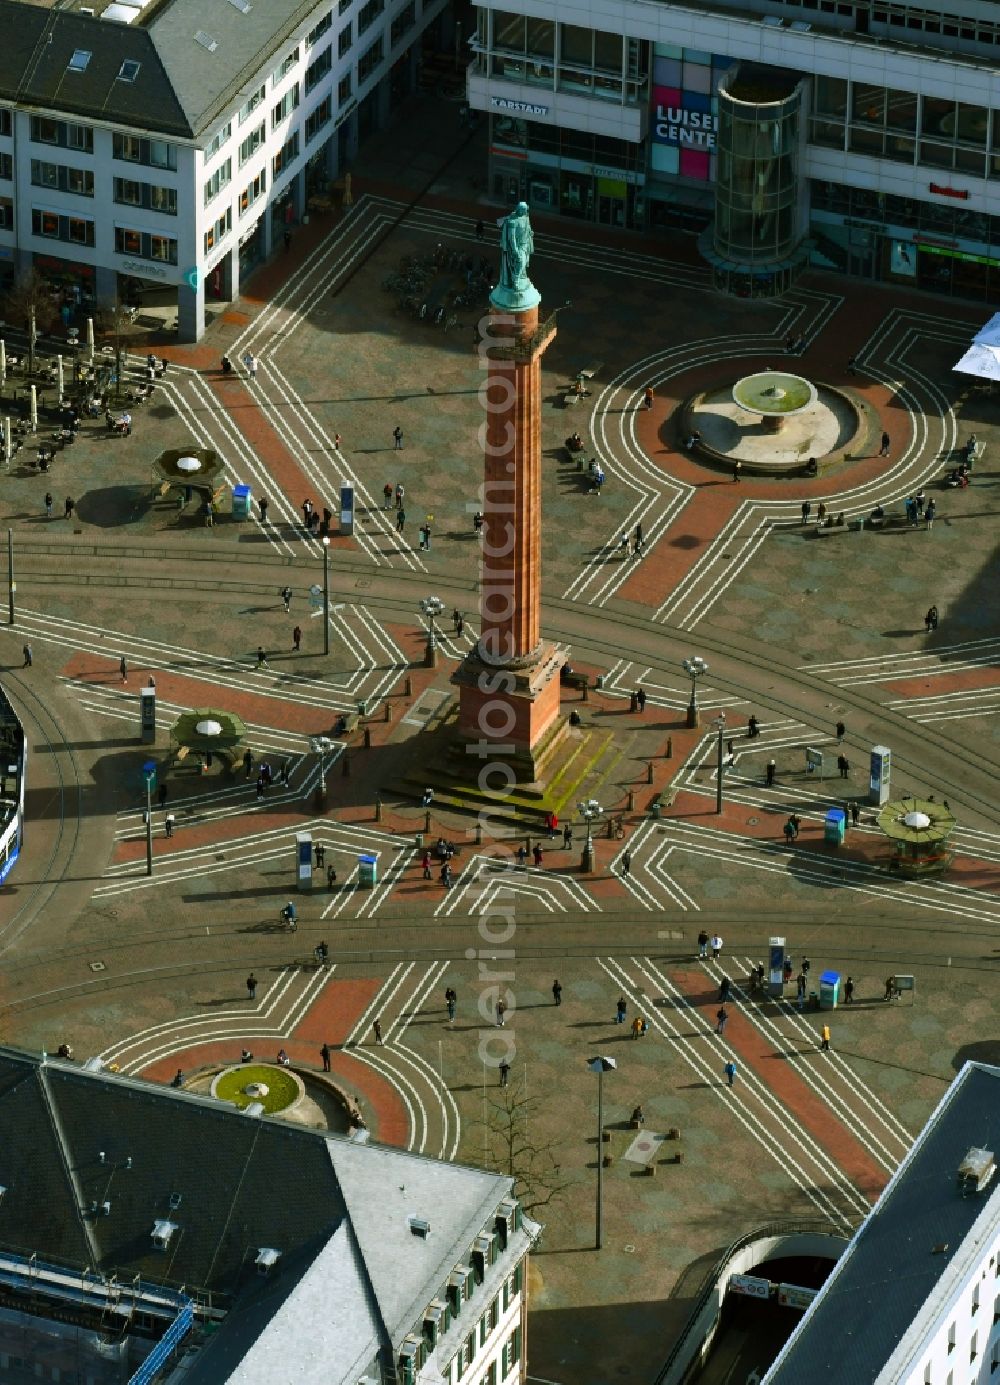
836 821
241 502
367 870
829 990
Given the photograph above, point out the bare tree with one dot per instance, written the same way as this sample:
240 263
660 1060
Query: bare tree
30 301
516 1149
116 320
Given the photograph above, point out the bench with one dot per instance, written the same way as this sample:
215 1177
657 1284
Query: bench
579 681
345 725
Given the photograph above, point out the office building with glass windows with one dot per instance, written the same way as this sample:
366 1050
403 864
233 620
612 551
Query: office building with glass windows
856 136
156 150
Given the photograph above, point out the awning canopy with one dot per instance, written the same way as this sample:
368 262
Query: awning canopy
983 357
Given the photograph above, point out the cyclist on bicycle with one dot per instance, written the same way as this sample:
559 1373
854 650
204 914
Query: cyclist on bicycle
289 915
322 953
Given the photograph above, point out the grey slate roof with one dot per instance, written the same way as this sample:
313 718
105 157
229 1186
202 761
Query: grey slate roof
34 69
891 1267
351 1278
182 89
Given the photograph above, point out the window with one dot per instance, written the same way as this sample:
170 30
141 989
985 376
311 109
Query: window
128 71
161 154
44 131
343 6
251 104
973 1346
221 229
6 122
219 179
218 140
127 192
975 1300
252 191
79 61
951 1337
128 242
368 14
163 200
53 226
285 156
127 147
403 22
320 116
79 181
285 67
163 249
80 137
6 166
511 1352
323 27
344 89
285 106
369 61
6 214
319 67
252 143
344 40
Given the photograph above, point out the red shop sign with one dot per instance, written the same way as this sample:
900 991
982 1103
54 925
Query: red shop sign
960 193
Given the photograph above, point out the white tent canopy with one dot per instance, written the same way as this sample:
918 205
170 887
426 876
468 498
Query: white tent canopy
983 357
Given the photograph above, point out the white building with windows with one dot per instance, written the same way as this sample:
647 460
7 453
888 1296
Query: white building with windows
860 136
154 1235
172 142
915 1298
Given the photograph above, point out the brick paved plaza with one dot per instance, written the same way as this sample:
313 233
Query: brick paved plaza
801 627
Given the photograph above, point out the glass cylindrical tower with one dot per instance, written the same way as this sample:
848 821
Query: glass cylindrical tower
757 186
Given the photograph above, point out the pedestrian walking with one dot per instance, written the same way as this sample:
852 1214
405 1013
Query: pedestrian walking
48 504
567 837
400 520
377 1030
930 514
261 788
730 1071
70 506
247 763
626 863
286 597
716 946
637 1027
178 1078
844 765
387 496
703 944
162 795
397 438
250 362
753 727
459 626
252 986
806 511
721 1020
841 731
451 1004
400 493
825 1038
26 651
287 238
501 1012
307 508
621 1010
424 536
123 668
737 469
886 444
504 1072
262 504
849 991
855 813
771 768
168 825
331 876
556 992
324 1053
623 544
536 854
640 698
262 657
320 851
297 637
426 864
637 541
647 397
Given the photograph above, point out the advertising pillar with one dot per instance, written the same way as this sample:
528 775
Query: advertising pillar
303 860
776 966
878 784
147 715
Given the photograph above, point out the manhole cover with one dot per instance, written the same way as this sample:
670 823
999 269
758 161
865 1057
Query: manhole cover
629 1250
362 582
751 822
98 966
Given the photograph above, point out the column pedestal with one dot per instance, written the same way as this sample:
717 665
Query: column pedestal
528 705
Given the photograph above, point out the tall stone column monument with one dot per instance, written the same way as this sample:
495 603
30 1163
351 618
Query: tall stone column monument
509 683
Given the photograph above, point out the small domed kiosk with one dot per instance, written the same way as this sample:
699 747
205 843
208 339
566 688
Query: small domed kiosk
918 830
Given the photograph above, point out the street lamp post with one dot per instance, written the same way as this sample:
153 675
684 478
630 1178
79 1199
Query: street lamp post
321 744
431 606
326 595
600 1066
720 726
695 668
589 810
149 824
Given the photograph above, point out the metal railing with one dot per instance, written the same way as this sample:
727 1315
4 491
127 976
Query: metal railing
170 1340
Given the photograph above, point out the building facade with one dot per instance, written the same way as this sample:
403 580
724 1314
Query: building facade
888 129
158 152
915 1298
153 1235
